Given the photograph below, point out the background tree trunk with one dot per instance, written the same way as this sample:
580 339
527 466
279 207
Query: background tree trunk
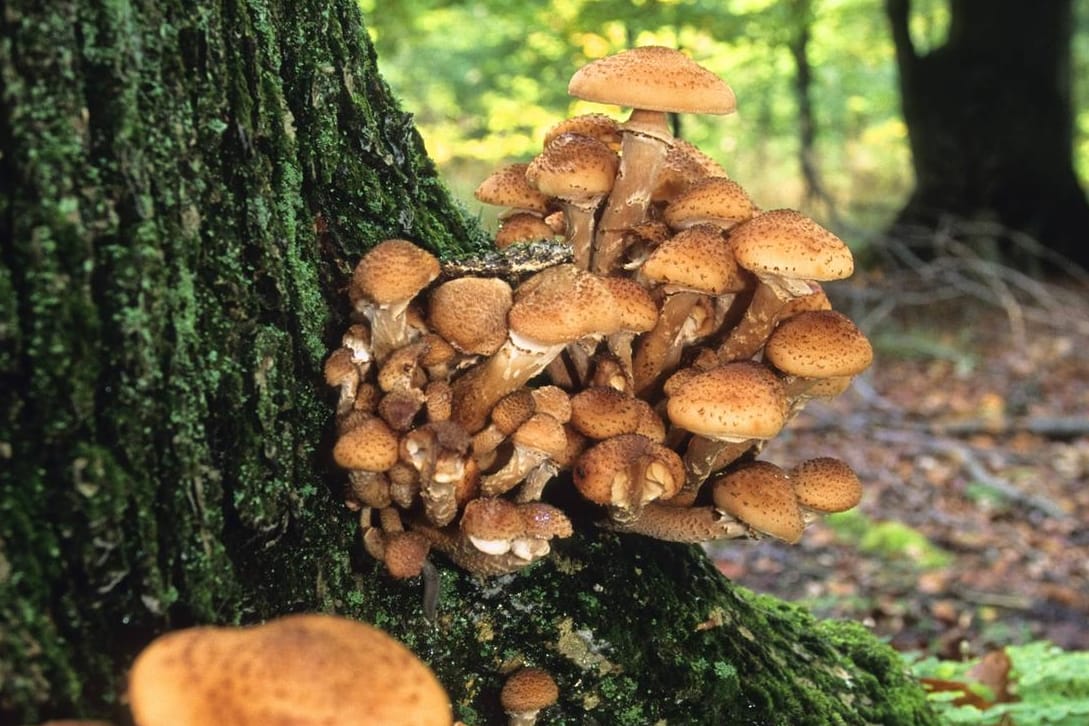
184 190
990 123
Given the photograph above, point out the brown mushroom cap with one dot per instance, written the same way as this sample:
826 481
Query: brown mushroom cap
544 521
653 78
760 495
826 484
299 669
405 554
715 200
471 313
507 187
522 227
601 412
597 125
638 312
574 168
697 259
741 400
370 445
491 523
562 304
786 243
528 690
604 473
818 344
393 271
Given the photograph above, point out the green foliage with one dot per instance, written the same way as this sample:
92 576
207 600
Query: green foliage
1052 686
894 541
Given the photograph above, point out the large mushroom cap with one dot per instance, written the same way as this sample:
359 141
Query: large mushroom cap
818 344
393 271
697 259
715 200
761 496
299 669
471 313
786 243
654 78
562 304
574 167
742 400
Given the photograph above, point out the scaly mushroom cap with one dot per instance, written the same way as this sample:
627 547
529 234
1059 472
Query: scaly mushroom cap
393 271
491 523
471 313
507 187
527 691
405 554
562 304
638 312
760 495
370 445
786 243
552 400
574 168
697 259
826 484
736 401
818 344
683 166
601 412
522 227
596 125
541 432
715 200
544 521
298 669
653 78
603 473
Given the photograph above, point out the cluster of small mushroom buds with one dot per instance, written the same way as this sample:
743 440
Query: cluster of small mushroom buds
688 330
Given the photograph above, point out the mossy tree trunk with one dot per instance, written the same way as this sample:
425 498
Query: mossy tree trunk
184 190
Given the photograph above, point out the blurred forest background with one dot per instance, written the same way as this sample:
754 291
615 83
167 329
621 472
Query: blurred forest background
819 126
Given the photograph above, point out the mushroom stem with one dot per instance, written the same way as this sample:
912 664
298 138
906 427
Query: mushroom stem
641 156
579 217
703 457
752 331
653 348
509 368
688 525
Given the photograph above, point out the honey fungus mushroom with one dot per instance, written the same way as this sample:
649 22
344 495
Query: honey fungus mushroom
386 279
298 669
653 81
525 693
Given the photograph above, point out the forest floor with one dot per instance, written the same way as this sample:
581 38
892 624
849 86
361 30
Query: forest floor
971 435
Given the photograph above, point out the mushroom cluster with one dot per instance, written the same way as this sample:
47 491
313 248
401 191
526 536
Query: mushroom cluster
685 329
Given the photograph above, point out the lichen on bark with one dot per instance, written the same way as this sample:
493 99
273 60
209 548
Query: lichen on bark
183 192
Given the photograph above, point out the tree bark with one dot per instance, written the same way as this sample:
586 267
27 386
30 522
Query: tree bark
183 192
990 125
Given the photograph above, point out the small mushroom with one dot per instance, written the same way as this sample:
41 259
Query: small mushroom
551 309
760 495
370 445
788 252
578 171
525 693
825 485
383 283
728 408
298 669
626 472
715 200
449 476
471 313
